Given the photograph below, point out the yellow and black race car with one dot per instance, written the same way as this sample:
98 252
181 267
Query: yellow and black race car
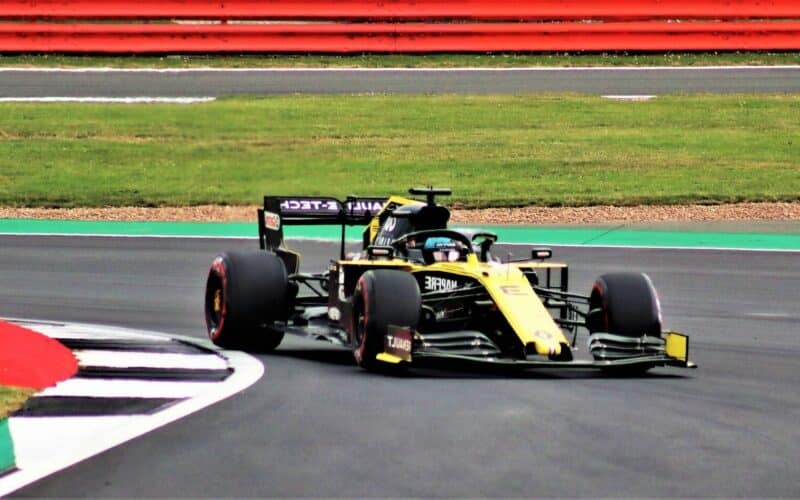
418 293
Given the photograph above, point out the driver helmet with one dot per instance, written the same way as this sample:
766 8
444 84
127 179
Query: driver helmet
442 249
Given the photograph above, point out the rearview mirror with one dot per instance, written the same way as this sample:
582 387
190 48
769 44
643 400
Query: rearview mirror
380 252
541 253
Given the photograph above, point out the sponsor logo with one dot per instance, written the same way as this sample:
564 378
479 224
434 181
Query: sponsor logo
310 205
272 221
437 284
383 241
398 342
513 290
334 314
364 206
442 244
390 224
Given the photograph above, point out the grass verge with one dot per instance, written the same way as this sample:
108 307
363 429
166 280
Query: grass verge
492 150
12 399
406 60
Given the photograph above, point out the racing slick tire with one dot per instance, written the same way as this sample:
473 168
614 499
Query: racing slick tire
382 297
245 294
625 304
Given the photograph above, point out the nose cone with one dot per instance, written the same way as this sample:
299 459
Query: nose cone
553 351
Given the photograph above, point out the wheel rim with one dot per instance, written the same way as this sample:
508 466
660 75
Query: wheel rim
215 306
360 327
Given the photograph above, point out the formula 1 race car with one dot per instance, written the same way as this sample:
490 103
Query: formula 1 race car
418 292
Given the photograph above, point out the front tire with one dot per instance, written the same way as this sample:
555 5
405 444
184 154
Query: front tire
245 294
625 304
382 297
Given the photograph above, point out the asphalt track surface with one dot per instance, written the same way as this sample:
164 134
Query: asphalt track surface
205 83
316 425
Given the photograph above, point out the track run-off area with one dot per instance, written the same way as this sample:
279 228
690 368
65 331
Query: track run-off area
316 425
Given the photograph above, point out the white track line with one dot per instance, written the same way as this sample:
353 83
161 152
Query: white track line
111 100
353 240
83 331
769 315
103 388
629 97
653 247
388 70
127 359
158 236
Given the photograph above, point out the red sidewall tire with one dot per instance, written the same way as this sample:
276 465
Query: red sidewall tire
246 293
382 297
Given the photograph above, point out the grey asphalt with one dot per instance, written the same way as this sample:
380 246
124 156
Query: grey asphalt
198 83
315 425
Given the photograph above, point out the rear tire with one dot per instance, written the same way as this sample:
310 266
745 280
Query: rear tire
382 297
245 294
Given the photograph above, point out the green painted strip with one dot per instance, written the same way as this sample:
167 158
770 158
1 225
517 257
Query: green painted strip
649 238
754 241
178 229
118 228
507 234
6 447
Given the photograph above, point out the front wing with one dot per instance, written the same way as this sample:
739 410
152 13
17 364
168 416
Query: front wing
671 349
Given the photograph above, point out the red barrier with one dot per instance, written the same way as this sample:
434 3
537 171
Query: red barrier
385 38
387 10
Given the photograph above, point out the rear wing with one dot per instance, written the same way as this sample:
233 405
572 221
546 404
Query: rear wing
280 211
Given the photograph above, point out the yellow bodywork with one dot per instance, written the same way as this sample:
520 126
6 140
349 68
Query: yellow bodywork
509 289
506 284
514 297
